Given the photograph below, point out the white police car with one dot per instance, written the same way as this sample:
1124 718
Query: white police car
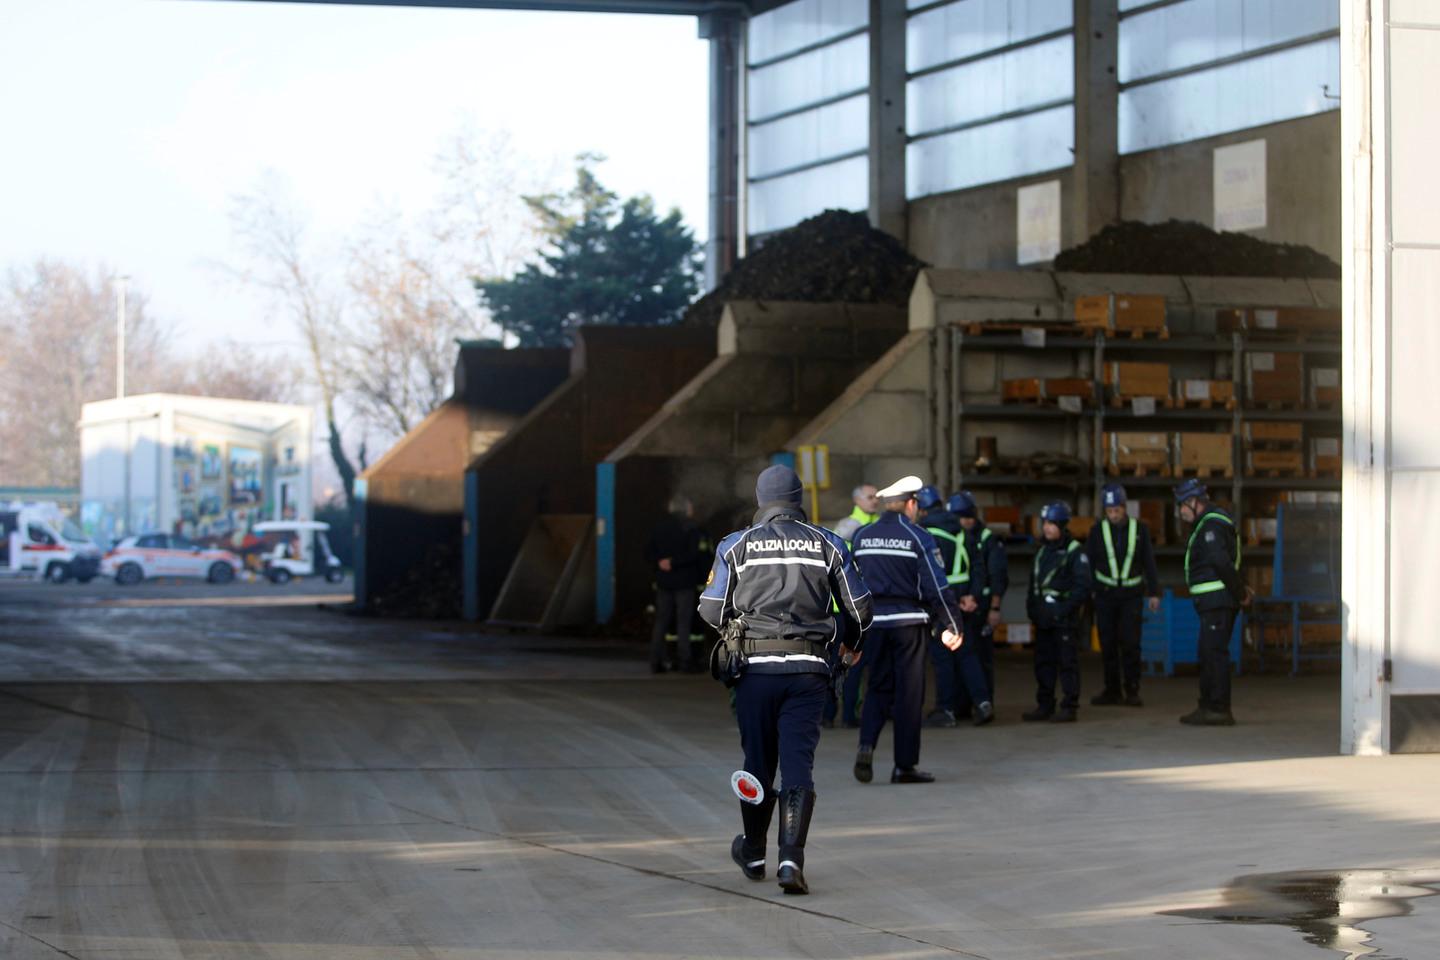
164 555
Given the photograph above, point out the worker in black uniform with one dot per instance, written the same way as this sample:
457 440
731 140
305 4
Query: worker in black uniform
901 564
989 572
1122 559
1212 572
678 552
769 595
1059 586
954 671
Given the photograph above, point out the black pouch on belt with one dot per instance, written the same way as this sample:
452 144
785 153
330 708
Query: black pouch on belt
727 657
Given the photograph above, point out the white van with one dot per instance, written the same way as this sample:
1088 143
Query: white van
38 540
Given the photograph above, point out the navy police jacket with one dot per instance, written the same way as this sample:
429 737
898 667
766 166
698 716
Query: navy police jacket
780 576
901 564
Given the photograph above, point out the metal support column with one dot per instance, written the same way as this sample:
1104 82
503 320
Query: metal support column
887 118
725 31
1095 192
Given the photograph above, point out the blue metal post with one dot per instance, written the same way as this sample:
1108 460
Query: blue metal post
604 542
362 487
784 459
470 549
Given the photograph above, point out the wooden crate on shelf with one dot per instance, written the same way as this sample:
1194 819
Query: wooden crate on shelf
1260 530
1137 454
1279 320
1153 513
1205 394
1022 390
1128 381
1273 435
1136 315
1325 459
1275 463
1324 387
1051 391
1204 455
1275 379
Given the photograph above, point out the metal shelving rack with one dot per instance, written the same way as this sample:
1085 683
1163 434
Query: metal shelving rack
1097 415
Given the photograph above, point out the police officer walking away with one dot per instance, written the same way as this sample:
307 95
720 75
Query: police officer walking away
989 572
769 595
1059 586
1212 572
954 671
901 564
1123 561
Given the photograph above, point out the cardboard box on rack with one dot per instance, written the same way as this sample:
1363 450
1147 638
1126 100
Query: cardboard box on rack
1132 312
1205 451
1138 379
1275 377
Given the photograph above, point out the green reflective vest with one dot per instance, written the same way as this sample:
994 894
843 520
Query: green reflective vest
960 566
1207 586
1119 575
1043 586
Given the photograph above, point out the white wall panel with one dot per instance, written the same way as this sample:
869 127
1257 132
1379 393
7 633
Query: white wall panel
1415 324
1415 567
820 134
1415 140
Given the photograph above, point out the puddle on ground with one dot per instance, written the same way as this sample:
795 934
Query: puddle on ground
1328 907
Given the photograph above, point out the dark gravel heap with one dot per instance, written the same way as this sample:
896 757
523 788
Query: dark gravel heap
1188 248
834 256
430 590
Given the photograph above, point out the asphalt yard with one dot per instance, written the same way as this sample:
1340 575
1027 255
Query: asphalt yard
237 772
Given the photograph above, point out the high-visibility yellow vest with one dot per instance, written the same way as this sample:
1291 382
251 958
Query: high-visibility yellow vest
1207 586
960 566
1119 575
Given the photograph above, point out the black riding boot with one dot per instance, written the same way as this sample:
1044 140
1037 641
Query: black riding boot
797 805
748 848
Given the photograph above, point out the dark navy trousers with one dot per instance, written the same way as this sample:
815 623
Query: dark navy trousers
779 717
895 657
961 676
1056 653
1119 621
1215 629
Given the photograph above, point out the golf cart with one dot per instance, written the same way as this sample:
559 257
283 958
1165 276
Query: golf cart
298 548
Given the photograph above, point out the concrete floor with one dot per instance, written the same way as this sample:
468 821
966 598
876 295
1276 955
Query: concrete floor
193 773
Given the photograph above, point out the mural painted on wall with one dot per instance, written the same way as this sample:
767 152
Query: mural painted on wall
245 480
212 465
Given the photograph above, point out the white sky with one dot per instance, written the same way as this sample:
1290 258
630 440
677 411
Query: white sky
126 125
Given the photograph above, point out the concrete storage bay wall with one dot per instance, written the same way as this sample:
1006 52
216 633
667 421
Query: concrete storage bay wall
975 229
414 494
778 365
619 376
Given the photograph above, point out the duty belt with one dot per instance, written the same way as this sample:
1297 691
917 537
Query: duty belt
755 646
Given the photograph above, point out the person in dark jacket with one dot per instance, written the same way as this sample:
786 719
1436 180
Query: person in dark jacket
1212 572
1122 559
1059 586
989 571
901 563
770 593
955 670
677 554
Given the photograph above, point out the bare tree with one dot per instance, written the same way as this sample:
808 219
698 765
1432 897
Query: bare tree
238 372
272 234
57 322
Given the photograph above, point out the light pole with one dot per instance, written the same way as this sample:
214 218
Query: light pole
120 283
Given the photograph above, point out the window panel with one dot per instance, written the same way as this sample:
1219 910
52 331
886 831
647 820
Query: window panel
1268 89
801 24
1012 81
785 201
971 27
818 134
1199 31
806 79
988 154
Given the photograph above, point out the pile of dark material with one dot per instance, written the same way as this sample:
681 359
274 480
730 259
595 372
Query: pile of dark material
430 590
1184 247
835 256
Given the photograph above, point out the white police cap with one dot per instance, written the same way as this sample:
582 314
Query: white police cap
904 487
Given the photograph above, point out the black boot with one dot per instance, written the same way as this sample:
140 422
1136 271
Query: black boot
748 848
797 805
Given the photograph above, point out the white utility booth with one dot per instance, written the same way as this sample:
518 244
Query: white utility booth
204 467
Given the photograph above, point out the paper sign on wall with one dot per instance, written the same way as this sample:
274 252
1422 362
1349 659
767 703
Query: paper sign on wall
1240 186
1037 222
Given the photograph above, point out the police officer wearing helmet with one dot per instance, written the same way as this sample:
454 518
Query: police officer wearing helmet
1123 561
901 563
954 671
769 595
989 572
1212 572
1059 586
